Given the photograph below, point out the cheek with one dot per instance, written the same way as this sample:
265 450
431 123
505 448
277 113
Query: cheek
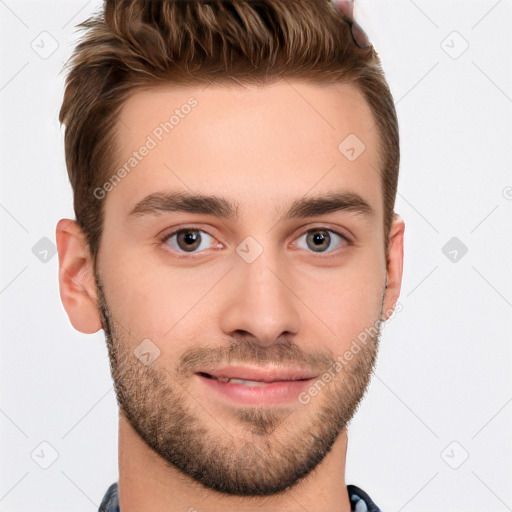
348 301
153 301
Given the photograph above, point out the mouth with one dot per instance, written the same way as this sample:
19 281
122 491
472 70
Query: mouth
246 382
255 385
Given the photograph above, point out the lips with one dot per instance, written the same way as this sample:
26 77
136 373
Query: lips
251 383
272 391
257 374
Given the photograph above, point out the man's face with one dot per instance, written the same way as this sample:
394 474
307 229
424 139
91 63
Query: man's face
255 289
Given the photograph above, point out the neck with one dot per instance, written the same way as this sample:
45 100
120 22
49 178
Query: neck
148 483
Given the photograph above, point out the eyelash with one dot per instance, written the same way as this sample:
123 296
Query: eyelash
190 255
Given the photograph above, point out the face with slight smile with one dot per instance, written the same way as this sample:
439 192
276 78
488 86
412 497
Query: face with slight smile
254 289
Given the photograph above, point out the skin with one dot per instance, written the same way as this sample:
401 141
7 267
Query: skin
261 147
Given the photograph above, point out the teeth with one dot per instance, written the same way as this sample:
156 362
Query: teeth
252 383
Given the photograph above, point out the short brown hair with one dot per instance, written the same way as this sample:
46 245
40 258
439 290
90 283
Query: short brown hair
133 44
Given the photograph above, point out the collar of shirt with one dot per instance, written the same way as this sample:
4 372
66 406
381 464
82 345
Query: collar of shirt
359 500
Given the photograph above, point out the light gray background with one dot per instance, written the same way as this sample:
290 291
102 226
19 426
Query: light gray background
442 388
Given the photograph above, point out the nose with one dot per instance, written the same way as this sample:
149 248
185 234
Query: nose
259 300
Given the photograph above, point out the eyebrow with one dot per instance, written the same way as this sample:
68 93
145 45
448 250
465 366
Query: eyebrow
218 206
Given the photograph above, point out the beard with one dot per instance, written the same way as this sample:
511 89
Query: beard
268 449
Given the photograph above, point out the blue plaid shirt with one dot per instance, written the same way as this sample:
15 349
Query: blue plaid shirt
359 500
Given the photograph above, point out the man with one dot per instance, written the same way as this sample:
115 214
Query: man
234 166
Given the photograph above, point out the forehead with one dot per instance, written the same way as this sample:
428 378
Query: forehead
260 145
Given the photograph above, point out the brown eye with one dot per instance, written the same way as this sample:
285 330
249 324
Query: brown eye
320 240
188 240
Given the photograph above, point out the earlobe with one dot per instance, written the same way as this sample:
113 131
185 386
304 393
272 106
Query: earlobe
76 277
394 265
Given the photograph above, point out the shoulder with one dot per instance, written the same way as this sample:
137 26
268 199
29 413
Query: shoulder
110 502
360 501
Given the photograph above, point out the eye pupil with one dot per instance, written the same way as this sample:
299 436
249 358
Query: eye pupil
320 239
192 240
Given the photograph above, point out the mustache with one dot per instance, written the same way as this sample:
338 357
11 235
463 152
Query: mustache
249 352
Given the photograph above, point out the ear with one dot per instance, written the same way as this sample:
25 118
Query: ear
394 265
76 277
346 7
